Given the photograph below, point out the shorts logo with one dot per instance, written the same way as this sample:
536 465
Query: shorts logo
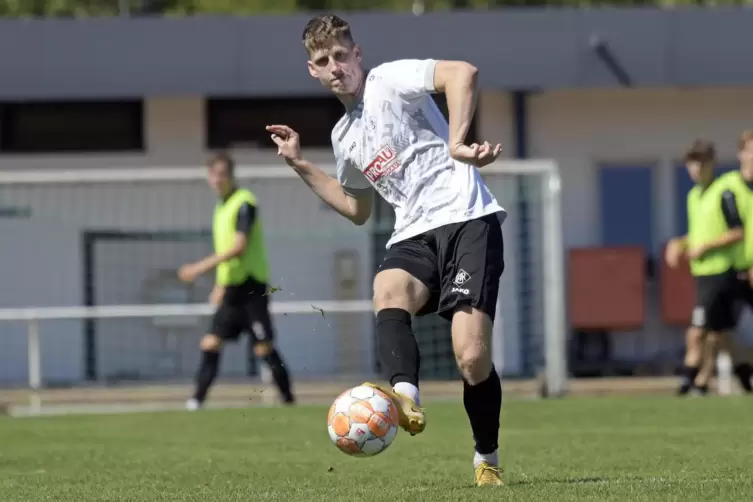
461 278
384 164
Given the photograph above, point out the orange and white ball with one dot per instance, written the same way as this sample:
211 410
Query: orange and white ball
362 421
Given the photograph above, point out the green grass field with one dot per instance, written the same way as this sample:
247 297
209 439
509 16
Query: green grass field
596 449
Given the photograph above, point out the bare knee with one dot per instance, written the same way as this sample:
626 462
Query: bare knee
694 337
210 343
263 349
471 341
397 289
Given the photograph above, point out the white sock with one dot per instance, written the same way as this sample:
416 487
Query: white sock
489 458
407 389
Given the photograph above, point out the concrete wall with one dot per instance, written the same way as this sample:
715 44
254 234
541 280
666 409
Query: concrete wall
580 129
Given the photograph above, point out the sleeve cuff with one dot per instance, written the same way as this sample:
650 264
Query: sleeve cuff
357 193
431 66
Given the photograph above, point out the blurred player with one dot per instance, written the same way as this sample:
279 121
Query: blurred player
715 234
738 191
445 254
240 291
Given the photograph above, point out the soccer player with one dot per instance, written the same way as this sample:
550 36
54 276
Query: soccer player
445 254
240 291
738 191
713 243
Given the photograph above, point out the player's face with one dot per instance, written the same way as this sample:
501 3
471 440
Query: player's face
700 172
745 156
219 179
337 67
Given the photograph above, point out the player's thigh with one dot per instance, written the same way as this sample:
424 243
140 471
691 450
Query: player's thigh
226 324
408 277
718 297
258 323
471 257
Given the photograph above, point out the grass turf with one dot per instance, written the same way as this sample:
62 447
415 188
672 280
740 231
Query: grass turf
598 449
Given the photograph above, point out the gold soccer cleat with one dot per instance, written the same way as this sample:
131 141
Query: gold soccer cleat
488 475
412 418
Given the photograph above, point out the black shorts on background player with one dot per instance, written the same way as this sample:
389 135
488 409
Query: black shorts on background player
716 302
244 308
460 263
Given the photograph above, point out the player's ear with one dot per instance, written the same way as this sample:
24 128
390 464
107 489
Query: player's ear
357 53
312 69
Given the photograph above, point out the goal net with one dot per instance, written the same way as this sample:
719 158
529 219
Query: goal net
90 294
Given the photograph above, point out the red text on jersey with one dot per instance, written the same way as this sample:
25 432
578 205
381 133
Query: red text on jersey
384 164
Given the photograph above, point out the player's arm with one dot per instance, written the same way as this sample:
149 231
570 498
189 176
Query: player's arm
675 249
735 229
458 80
244 223
351 200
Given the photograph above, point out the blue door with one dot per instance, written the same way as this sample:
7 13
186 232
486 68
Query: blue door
627 205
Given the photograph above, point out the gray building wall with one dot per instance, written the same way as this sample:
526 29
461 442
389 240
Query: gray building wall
520 49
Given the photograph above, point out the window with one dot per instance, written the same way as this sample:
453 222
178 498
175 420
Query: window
242 121
90 126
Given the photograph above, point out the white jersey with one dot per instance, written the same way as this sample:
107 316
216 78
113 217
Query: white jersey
395 140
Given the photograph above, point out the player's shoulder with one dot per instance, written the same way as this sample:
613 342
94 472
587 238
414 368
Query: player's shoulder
729 177
339 130
396 67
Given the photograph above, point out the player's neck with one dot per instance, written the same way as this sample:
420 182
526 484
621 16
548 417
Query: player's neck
229 194
351 100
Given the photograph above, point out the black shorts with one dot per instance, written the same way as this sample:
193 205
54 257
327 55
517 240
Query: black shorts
460 263
244 308
716 307
744 290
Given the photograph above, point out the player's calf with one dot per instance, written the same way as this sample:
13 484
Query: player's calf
208 368
694 337
269 354
397 297
482 389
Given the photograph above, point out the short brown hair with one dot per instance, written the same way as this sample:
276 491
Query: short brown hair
223 158
323 30
745 137
701 151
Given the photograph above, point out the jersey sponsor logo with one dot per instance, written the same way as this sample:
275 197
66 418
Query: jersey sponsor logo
461 290
384 164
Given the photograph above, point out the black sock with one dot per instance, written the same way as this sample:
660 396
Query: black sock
483 403
210 364
280 375
397 347
688 378
744 372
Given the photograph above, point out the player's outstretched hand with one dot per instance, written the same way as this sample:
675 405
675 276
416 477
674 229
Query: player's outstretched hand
674 252
478 155
287 141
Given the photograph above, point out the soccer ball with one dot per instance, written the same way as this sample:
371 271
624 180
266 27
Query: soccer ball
362 421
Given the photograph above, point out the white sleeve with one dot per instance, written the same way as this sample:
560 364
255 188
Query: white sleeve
409 77
352 180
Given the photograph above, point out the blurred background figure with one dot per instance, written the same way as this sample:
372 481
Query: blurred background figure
241 287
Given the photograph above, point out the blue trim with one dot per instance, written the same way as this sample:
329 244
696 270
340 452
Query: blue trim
528 346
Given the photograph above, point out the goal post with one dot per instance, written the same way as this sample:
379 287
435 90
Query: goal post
93 256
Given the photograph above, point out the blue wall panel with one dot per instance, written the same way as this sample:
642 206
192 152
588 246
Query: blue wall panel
627 205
